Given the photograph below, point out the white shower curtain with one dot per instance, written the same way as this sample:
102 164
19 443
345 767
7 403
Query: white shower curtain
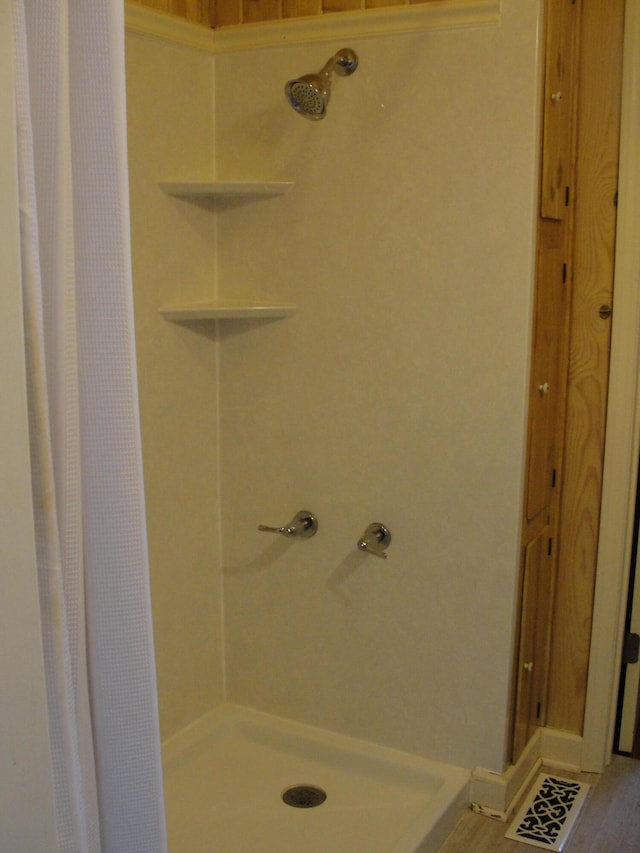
86 463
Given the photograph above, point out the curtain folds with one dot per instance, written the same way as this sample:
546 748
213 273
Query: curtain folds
86 461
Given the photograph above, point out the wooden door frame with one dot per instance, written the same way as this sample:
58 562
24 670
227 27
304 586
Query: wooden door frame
623 429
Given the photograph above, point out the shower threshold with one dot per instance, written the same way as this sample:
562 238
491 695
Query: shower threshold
225 777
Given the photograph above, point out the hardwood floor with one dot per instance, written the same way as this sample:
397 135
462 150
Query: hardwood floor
610 822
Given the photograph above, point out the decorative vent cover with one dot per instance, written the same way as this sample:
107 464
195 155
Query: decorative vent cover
548 813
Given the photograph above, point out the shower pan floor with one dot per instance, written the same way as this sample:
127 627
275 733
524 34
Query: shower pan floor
225 775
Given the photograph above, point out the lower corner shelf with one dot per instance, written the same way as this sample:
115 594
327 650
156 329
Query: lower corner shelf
228 309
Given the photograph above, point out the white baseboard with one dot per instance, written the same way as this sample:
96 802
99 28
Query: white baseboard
496 794
561 750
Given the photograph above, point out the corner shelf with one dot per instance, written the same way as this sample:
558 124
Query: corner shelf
225 189
226 309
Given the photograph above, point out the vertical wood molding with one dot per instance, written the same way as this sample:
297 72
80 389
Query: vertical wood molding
558 109
594 240
548 366
623 427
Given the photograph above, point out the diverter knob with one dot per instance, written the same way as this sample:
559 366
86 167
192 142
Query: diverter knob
375 539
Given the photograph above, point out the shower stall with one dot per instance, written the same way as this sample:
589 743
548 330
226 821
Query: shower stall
393 393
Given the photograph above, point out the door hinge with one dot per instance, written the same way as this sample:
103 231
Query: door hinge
566 196
564 273
631 648
554 474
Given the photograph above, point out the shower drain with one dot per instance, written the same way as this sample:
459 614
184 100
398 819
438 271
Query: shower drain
304 796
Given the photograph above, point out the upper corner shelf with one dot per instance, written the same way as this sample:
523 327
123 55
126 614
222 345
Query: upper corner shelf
228 309
225 189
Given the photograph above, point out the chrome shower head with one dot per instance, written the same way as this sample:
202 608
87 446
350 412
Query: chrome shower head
309 95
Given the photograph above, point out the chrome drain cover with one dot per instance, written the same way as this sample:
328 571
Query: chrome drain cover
304 796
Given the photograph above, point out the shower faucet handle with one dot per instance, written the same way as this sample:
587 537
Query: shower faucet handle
304 524
375 540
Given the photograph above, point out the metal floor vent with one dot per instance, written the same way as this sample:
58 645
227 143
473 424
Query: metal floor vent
304 796
549 813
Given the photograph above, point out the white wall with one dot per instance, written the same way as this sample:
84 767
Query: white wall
170 118
397 393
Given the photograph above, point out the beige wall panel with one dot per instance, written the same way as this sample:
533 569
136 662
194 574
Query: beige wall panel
170 102
397 391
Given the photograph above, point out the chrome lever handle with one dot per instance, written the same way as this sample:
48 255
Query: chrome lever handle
375 540
304 524
363 545
285 531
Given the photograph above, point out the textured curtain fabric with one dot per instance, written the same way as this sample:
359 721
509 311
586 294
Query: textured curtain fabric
84 429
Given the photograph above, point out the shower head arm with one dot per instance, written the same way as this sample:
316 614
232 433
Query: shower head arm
344 63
